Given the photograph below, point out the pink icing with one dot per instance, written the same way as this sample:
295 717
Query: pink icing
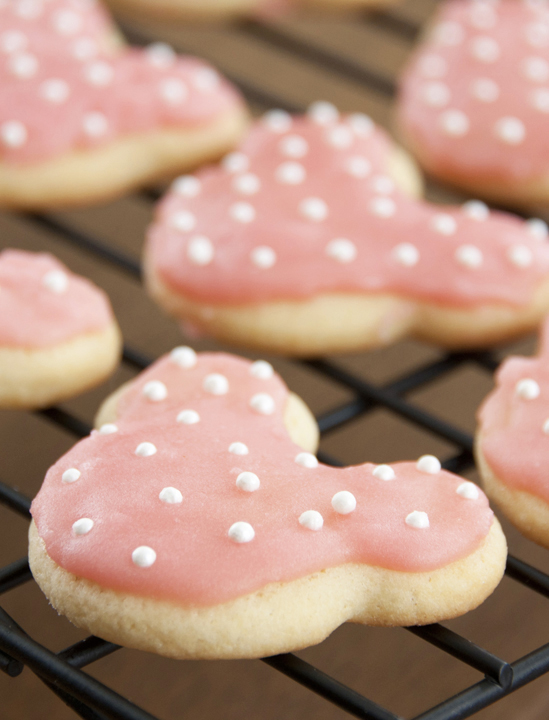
368 237
514 441
196 561
489 63
64 84
39 309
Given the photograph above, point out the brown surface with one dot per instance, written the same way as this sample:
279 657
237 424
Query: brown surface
392 667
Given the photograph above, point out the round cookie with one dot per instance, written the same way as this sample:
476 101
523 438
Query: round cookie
474 99
311 239
58 335
84 118
512 442
193 525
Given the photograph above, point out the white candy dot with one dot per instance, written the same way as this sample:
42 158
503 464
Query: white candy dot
537 34
29 9
71 475
248 184
536 69
468 490
362 125
444 224
432 66
263 257
510 130
344 502
537 228
173 91
485 90
200 250
314 209
340 137
546 427
56 281
418 519
84 49
294 146
183 220
262 370
144 556
290 173
241 532
183 356
405 254
342 250
238 448
82 526
539 99
248 481
13 134
242 212
145 449
476 210
160 55
188 417
95 124
216 384
13 41
306 460
99 73
67 22
323 113
382 184
448 33
108 429
358 166
469 256
482 15
55 90
436 94
382 207
454 123
312 520
429 464
206 80
384 472
263 403
23 65
187 186
236 162
155 391
171 496
485 49
278 121
527 389
521 256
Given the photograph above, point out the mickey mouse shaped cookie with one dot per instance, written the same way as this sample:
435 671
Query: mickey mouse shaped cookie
196 522
58 335
84 118
310 239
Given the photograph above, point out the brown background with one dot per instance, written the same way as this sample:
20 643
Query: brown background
391 667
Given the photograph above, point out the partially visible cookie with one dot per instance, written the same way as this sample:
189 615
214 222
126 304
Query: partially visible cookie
58 335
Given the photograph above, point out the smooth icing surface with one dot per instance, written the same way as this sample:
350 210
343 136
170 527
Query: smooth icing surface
475 96
42 303
66 83
513 422
305 206
227 538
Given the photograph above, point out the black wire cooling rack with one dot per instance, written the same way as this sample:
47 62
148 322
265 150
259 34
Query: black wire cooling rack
92 700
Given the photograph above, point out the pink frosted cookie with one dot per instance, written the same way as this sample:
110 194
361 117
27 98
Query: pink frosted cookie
58 335
474 99
84 118
196 522
308 240
513 443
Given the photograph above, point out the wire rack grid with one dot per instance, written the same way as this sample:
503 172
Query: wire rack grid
62 672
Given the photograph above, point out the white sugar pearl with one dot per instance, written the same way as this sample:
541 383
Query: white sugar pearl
200 250
216 384
382 207
432 66
448 33
482 16
485 49
521 256
108 429
468 490
13 41
405 254
444 224
241 532
384 472
99 73
527 389
248 481
382 184
429 464
278 121
145 449
160 55
56 281
323 113
342 250
95 124
454 123
155 391
294 146
314 209
485 90
476 210
67 22
469 256
183 356
238 448
312 520
242 212
418 519
306 460
71 475
510 130
263 257
537 228
236 162
143 556
183 220
29 9
545 427
539 99
23 65
536 69
188 417
263 404
358 166
362 125
344 502
171 496
173 91
82 526
262 370
436 94
290 173
340 137
55 90
206 80
248 184
187 186
537 35
13 134
84 49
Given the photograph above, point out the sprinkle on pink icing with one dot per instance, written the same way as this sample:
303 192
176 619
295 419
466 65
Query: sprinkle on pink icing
42 303
64 85
200 556
305 206
513 422
475 96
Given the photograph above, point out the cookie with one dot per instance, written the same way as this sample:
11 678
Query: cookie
84 118
58 335
474 99
511 442
311 239
197 523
